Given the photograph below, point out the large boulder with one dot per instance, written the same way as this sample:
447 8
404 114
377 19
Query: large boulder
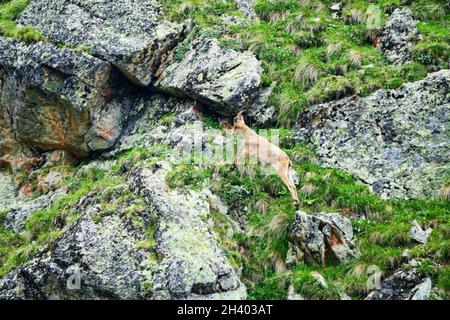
128 34
56 99
317 238
97 257
225 80
396 141
191 263
403 285
399 36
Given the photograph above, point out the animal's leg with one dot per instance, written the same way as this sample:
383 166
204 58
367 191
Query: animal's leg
324 258
283 173
241 154
293 186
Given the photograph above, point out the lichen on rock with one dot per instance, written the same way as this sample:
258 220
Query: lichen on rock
7 192
403 285
128 34
399 36
191 264
319 238
396 141
225 80
93 259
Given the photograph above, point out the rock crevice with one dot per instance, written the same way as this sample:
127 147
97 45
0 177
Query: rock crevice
128 34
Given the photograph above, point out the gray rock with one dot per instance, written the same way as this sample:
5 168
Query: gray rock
314 236
92 260
320 279
403 285
341 222
146 128
246 7
306 235
56 99
293 295
399 36
336 9
396 141
128 33
191 264
418 234
414 263
51 181
336 6
422 290
225 80
15 219
7 192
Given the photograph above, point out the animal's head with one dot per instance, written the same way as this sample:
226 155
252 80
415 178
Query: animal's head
226 126
239 122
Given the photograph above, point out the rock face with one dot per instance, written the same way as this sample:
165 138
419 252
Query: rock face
148 111
55 99
393 140
316 238
403 285
7 191
16 218
246 7
70 93
399 36
92 260
127 33
223 79
191 264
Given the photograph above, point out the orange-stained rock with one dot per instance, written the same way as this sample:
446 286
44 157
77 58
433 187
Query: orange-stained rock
54 98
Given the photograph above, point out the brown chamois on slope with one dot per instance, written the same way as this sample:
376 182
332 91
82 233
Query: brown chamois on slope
259 148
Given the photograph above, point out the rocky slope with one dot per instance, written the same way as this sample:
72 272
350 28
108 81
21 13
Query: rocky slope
100 115
395 141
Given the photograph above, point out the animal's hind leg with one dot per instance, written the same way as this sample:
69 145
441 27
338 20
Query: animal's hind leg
283 173
240 156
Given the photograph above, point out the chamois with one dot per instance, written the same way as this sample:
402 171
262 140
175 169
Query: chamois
261 149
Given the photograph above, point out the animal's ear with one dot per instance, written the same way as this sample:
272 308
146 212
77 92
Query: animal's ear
225 124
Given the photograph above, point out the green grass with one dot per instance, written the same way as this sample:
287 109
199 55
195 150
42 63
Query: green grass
9 11
261 250
187 175
265 205
44 226
312 57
